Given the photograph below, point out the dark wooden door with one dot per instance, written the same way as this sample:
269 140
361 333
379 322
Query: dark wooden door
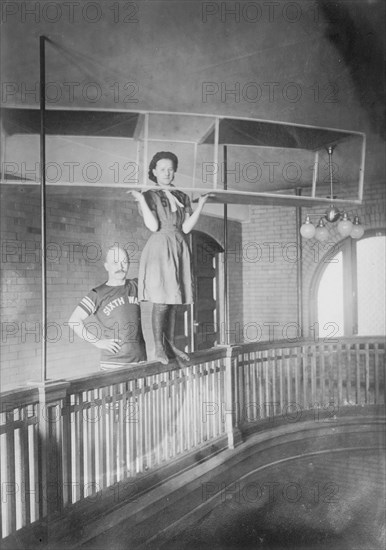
205 321
197 326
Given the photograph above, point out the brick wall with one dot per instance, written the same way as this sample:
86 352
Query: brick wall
80 227
268 257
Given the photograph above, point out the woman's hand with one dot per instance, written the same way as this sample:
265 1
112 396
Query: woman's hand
137 195
203 198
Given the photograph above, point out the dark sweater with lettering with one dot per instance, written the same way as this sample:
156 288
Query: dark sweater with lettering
118 315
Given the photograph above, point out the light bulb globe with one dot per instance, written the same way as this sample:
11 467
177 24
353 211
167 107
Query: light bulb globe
345 227
357 230
321 233
307 230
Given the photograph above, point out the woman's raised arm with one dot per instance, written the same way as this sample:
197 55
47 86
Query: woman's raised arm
190 221
149 218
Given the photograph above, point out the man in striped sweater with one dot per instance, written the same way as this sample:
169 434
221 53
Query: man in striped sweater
115 307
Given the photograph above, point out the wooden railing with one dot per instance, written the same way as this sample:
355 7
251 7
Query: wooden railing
287 380
72 443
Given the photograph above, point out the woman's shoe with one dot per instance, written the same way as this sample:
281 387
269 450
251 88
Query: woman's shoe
161 356
178 354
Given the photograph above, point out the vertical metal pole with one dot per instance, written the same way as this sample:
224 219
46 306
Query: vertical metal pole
43 203
299 268
215 159
145 148
330 151
226 296
192 315
315 174
362 168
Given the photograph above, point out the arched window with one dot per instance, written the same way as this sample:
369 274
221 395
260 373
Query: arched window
349 291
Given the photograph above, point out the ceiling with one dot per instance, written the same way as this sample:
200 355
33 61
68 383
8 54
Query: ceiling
320 64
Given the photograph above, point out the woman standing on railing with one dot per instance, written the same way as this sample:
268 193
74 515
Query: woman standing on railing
165 277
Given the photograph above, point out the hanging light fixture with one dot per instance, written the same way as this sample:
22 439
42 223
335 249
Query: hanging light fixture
321 231
345 226
357 229
332 212
307 230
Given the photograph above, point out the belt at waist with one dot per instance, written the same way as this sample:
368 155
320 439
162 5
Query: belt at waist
171 229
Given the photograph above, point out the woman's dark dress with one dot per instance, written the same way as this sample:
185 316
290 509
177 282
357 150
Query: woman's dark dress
165 275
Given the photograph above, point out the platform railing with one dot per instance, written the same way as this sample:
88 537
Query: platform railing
69 442
288 380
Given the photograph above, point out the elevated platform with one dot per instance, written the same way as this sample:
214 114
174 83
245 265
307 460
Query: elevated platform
287 481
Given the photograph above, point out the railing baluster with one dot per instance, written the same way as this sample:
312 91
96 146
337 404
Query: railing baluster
66 451
266 382
286 352
348 374
367 373
306 354
102 434
181 426
199 404
3 509
215 399
91 443
173 446
376 373
339 369
132 426
331 377
10 476
196 412
78 449
298 358
358 374
180 413
221 395
157 419
314 397
144 425
247 378
252 410
273 378
181 407
121 423
34 467
148 394
322 375
212 400
165 415
24 469
209 388
114 439
259 373
188 407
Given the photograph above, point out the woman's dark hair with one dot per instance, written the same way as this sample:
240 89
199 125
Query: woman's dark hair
159 156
